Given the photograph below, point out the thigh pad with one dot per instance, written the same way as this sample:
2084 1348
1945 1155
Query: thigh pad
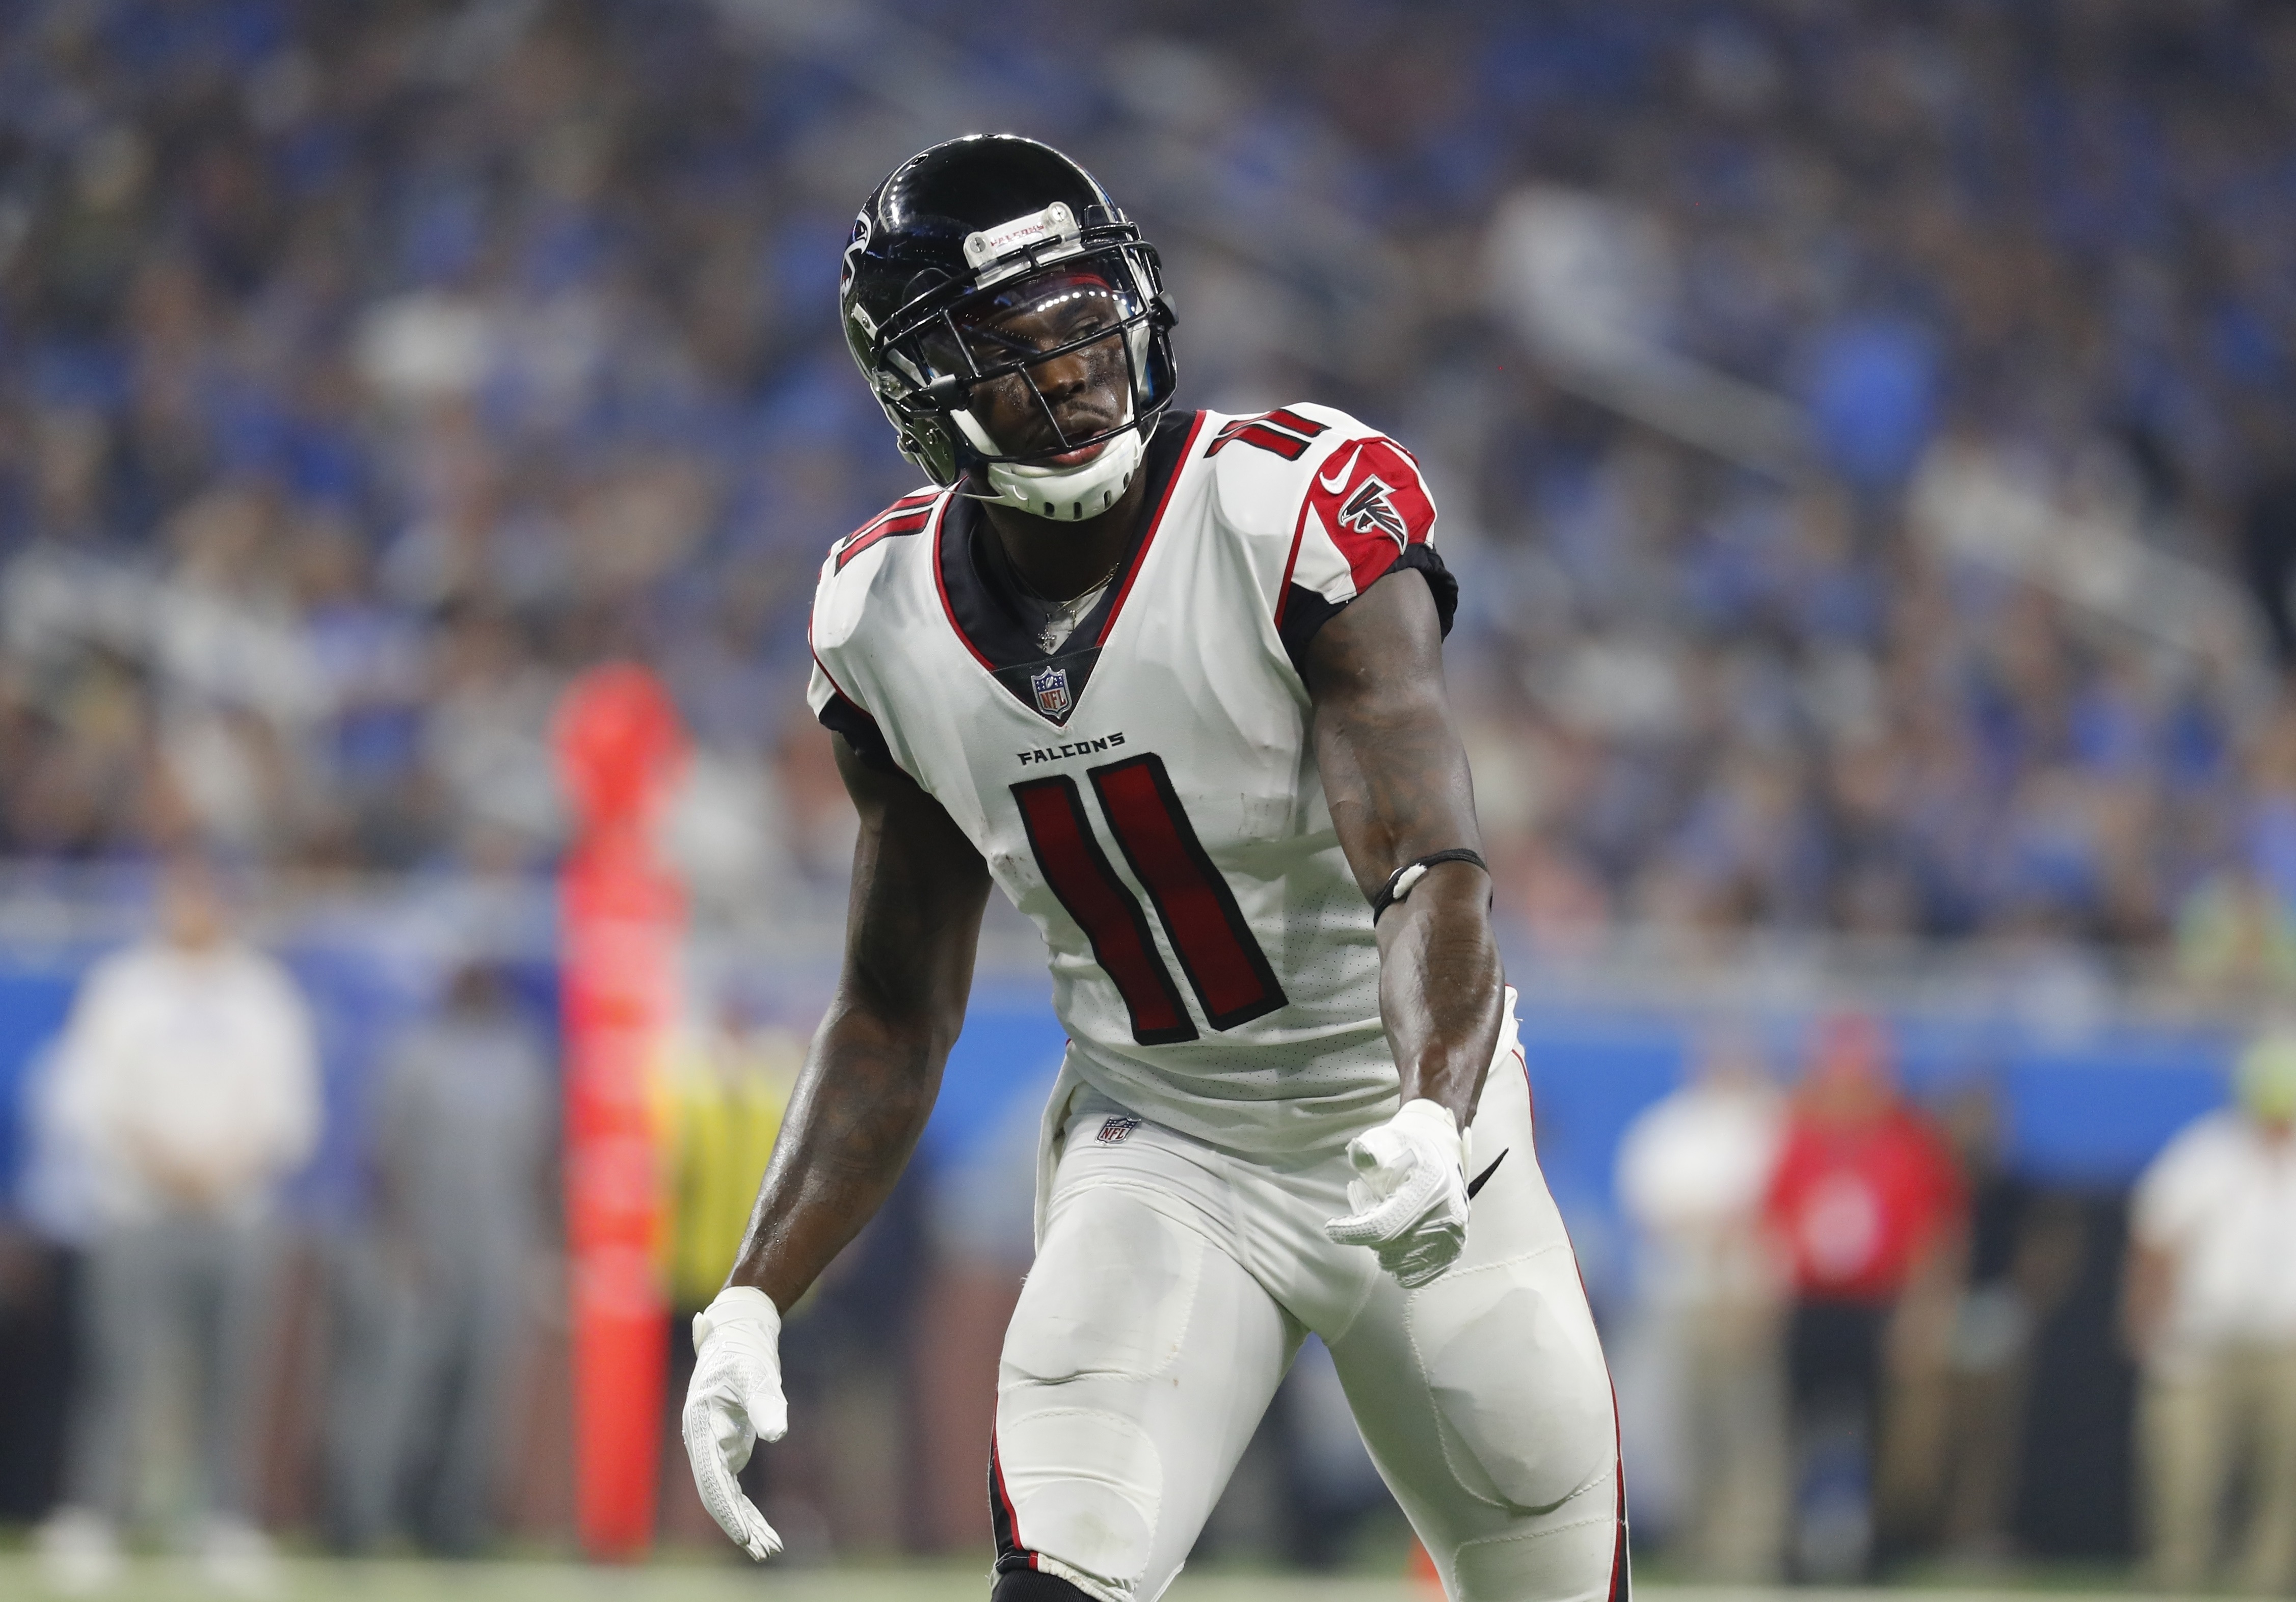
1110 1294
1522 1395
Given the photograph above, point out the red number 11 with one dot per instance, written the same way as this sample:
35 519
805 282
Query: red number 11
1226 967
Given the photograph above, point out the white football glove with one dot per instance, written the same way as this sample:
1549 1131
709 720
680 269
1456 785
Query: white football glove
735 1401
1409 1193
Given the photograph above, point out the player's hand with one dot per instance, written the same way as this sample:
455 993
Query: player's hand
1409 1193
735 1401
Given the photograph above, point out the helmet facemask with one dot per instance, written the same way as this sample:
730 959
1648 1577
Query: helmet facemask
982 380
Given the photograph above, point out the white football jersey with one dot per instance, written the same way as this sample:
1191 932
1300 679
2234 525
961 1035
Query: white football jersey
1147 794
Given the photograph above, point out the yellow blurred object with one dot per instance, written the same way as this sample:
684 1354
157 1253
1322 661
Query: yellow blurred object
721 1098
2233 937
2265 1078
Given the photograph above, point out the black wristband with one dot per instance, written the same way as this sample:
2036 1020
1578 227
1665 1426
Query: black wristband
1405 879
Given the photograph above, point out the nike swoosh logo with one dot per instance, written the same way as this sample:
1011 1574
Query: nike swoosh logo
1476 1183
1333 482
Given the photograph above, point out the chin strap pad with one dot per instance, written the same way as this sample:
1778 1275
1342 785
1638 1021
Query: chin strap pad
1065 494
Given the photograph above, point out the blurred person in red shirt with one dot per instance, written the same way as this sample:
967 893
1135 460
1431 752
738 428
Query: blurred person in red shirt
1866 1204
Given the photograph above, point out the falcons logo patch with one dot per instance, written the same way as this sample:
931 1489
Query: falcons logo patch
1370 511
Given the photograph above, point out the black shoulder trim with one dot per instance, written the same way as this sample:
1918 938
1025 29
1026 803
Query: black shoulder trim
1305 611
859 730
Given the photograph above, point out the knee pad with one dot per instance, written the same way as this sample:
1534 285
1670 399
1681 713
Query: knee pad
1075 1478
1583 1561
1081 1497
1033 1585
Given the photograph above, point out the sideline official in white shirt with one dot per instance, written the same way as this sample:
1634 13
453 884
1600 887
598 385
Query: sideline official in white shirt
187 1076
2211 1315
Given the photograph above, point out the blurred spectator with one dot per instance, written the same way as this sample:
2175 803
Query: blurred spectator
2267 542
1958 1416
1329 1487
2211 1315
187 1074
982 1220
2236 940
1693 1170
370 370
462 1138
1866 1204
849 1477
723 1099
35 1339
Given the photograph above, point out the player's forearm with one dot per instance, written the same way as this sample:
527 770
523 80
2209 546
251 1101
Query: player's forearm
867 1089
1394 776
1441 987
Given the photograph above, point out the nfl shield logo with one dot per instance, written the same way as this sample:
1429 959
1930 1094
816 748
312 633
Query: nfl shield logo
1052 688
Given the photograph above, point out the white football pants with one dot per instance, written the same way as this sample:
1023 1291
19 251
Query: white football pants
1172 1286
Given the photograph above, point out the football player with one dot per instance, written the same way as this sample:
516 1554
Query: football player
1172 682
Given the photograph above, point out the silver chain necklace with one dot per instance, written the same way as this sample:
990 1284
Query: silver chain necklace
1062 617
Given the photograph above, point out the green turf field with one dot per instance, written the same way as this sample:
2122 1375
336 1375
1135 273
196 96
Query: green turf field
311 1580
157 1579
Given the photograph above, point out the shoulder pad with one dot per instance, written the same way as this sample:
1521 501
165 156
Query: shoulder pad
1264 463
907 515
850 571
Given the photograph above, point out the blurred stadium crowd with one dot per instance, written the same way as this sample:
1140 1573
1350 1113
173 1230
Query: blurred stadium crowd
1865 436
369 367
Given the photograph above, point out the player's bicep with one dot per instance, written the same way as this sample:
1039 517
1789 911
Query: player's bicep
913 919
1394 770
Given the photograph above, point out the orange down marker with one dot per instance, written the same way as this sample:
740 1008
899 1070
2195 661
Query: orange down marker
622 916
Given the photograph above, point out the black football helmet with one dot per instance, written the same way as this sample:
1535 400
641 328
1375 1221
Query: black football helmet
962 236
